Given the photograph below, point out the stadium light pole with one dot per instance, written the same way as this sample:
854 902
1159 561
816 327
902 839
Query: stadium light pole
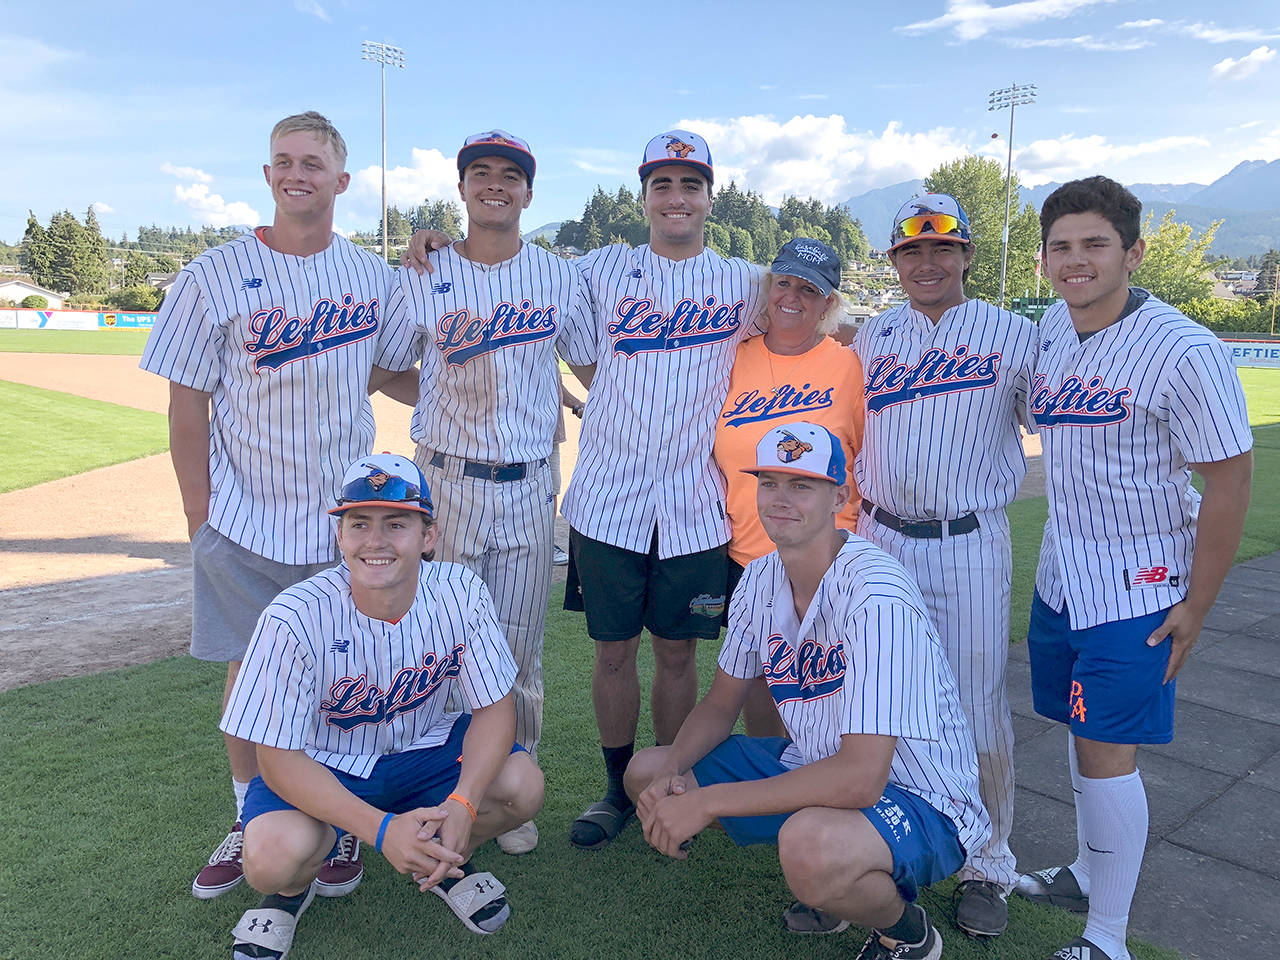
1018 95
386 55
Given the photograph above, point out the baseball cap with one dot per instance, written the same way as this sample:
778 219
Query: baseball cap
935 216
497 143
810 260
679 147
804 449
384 480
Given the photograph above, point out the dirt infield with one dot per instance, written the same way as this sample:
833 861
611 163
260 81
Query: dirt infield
95 569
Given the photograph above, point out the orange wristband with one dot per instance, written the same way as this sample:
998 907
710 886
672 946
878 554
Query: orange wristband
471 809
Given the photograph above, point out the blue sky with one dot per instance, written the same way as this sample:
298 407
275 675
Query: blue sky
160 112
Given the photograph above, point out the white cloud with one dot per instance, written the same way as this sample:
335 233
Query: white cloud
432 176
1140 24
820 156
1085 42
26 54
971 19
813 96
1068 155
185 173
100 206
1212 33
1246 66
311 7
1249 125
210 208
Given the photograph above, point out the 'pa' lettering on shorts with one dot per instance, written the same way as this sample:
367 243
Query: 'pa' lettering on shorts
1104 681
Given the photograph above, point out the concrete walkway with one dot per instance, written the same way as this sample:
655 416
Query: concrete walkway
1210 883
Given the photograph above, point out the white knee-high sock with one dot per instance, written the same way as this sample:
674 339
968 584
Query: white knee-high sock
1080 869
1115 821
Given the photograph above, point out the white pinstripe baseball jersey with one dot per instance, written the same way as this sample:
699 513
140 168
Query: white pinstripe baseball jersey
666 335
941 438
321 676
487 338
285 345
1122 415
864 660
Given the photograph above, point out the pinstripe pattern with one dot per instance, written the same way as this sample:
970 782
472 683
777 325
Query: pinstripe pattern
486 336
966 584
285 345
942 443
865 659
321 676
910 462
1122 415
666 334
503 532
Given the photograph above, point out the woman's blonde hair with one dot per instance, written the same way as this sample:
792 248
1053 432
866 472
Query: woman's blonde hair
830 320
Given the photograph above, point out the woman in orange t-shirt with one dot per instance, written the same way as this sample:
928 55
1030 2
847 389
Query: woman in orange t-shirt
796 371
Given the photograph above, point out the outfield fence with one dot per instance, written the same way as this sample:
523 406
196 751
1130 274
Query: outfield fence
21 319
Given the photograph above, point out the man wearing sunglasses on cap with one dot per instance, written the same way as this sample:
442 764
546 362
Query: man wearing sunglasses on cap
344 691
947 385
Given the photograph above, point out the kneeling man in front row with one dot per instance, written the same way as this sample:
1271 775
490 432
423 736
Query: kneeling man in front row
875 794
344 689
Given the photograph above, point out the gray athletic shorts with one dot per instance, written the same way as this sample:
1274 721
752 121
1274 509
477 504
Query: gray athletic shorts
232 588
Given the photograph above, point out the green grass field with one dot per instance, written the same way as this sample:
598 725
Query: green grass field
115 790
109 342
47 435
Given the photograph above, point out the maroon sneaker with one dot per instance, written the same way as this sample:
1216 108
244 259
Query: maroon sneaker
223 871
343 871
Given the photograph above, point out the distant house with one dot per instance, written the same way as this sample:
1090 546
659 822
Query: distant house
161 281
18 290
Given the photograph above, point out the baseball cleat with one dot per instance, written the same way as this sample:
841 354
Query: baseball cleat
1080 949
880 947
983 908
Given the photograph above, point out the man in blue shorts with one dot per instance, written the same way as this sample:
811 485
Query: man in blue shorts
875 794
344 689
1130 397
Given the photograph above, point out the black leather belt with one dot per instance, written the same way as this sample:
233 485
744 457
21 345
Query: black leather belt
496 472
920 529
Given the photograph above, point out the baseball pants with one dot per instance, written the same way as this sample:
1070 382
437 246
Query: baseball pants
502 531
966 582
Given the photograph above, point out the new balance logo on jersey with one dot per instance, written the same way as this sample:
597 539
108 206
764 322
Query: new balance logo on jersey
636 274
441 287
462 337
1154 576
340 645
280 339
754 406
353 701
1077 403
890 382
808 674
639 328
251 283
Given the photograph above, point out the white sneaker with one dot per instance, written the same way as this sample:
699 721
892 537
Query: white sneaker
559 557
520 840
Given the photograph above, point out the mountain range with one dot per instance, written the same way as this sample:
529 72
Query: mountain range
1247 199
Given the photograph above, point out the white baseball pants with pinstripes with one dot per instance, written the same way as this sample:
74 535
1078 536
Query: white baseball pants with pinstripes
966 582
504 533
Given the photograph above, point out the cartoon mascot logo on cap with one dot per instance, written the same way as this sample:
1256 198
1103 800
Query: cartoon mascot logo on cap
378 479
493 136
792 448
679 149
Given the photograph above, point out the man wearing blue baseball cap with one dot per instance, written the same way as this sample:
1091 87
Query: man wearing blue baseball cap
344 691
873 794
947 386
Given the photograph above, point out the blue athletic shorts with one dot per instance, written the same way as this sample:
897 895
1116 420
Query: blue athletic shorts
1104 681
400 782
922 839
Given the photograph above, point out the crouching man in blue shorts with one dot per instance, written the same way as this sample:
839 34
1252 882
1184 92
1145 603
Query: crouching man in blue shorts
343 690
875 794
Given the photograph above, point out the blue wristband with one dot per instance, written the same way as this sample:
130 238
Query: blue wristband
382 832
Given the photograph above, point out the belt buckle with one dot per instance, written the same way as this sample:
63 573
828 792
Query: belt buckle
494 470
